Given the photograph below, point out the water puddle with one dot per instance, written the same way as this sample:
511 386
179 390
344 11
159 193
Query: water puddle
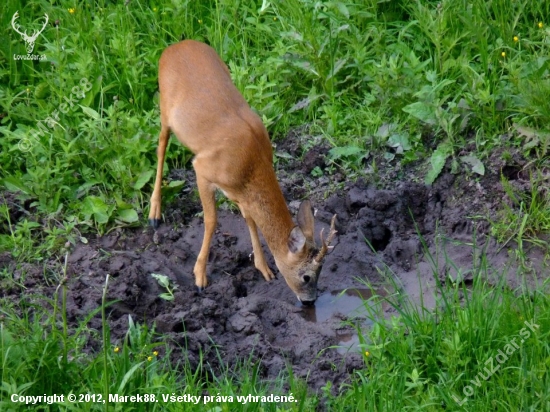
349 304
347 342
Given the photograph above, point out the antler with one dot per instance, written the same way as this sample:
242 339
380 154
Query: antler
15 25
37 32
325 245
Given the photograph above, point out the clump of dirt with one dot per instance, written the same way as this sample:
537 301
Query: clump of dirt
240 316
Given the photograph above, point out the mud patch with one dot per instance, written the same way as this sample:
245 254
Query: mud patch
384 230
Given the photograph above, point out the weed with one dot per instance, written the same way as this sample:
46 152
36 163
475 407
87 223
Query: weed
525 216
434 71
164 281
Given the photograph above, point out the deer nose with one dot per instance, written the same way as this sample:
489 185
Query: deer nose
308 302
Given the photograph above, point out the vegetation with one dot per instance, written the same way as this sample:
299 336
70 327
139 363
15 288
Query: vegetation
486 348
402 77
412 80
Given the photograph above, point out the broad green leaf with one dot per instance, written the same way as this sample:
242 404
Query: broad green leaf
90 112
437 160
176 184
29 225
525 131
284 155
15 185
386 130
163 280
128 215
166 296
121 204
343 9
42 90
531 144
174 187
400 142
95 206
142 179
415 375
346 151
475 164
422 111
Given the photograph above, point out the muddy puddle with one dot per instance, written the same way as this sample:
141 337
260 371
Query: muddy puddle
355 305
345 303
240 315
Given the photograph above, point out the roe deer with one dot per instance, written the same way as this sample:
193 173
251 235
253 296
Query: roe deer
201 105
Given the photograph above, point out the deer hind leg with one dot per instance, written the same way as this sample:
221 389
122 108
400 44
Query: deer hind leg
155 211
259 257
208 200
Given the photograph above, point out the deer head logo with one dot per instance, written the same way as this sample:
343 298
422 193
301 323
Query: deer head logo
28 39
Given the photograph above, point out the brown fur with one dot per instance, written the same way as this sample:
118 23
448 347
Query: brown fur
206 112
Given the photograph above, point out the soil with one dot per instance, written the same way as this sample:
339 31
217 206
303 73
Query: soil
410 226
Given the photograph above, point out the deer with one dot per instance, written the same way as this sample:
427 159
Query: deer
233 153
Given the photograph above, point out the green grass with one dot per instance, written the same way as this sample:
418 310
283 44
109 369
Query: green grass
400 78
525 216
484 347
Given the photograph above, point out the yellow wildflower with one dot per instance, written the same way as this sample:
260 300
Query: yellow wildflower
155 9
116 349
71 10
149 358
541 25
155 353
516 38
503 54
367 353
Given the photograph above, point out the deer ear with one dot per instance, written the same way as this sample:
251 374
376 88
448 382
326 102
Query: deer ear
296 240
305 220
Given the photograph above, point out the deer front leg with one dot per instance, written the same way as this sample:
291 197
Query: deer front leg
259 257
208 200
155 211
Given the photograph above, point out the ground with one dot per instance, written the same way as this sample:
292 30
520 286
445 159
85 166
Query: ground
410 226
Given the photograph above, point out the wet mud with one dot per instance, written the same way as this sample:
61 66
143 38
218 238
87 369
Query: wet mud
389 226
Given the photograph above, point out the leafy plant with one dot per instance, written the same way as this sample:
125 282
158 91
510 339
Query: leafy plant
525 216
437 161
164 281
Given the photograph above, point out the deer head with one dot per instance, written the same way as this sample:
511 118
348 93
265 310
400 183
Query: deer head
304 261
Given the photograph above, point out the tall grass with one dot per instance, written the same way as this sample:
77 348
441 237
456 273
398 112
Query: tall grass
484 347
397 77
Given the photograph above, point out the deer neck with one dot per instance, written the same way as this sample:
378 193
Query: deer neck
269 211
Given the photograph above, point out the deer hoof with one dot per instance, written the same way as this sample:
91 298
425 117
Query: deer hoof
155 223
199 289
